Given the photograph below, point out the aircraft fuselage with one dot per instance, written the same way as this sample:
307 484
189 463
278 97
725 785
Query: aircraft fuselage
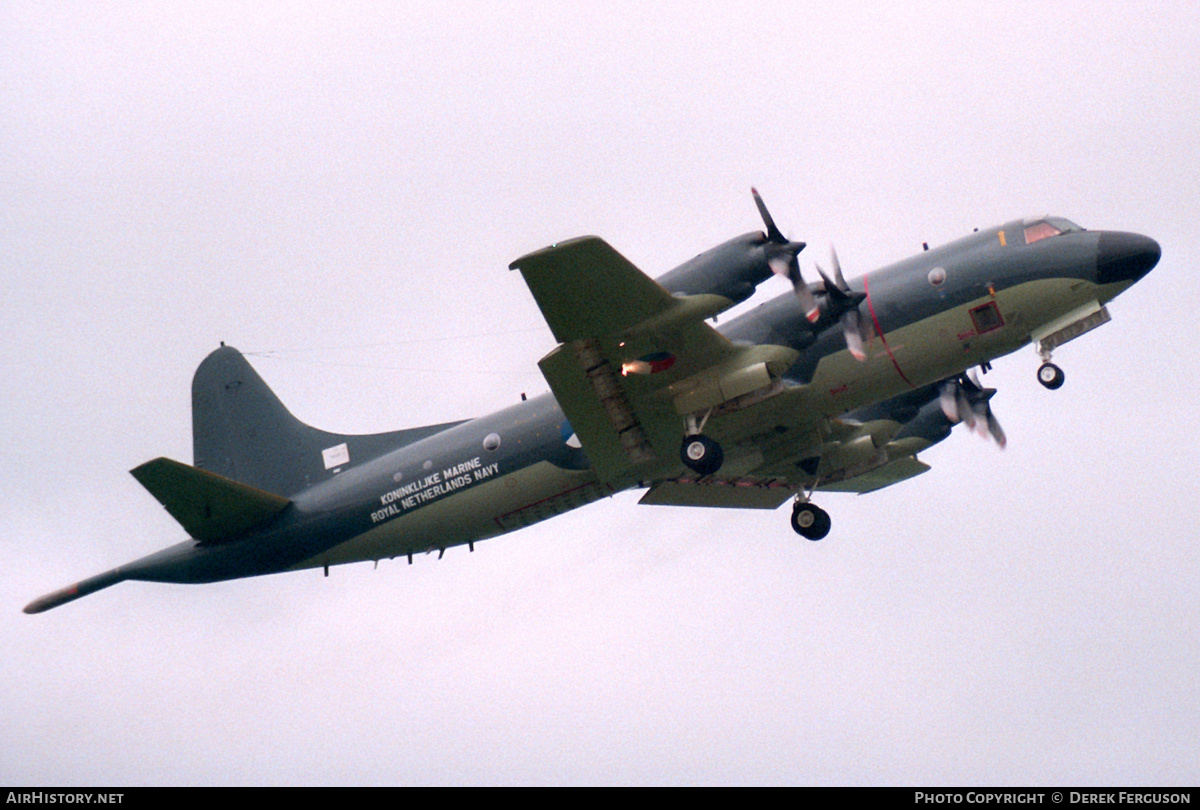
930 316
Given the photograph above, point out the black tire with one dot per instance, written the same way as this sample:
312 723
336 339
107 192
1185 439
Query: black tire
822 526
1051 376
811 521
701 454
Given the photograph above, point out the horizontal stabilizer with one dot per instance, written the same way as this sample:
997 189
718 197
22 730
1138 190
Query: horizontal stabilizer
210 507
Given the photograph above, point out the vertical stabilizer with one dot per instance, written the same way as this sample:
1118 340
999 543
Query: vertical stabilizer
241 430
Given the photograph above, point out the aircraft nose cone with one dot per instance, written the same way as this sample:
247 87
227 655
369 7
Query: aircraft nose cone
1125 256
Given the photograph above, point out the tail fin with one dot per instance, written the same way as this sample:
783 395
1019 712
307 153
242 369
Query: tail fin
240 430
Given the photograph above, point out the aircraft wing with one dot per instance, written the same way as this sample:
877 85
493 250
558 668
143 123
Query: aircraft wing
586 289
838 456
635 360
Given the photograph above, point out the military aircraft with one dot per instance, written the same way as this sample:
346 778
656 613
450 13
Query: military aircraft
836 386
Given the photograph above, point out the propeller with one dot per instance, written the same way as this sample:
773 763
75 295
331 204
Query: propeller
964 399
781 257
843 299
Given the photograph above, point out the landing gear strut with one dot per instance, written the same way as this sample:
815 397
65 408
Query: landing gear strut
810 521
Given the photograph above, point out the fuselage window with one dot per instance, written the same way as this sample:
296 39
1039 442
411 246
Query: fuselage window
986 318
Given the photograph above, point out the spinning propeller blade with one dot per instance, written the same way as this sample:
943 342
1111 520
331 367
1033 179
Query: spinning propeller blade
964 399
781 256
853 325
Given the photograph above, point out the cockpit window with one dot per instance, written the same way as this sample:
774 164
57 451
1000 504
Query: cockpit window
1037 230
1063 225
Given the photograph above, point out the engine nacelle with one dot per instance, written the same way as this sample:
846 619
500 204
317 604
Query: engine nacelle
732 270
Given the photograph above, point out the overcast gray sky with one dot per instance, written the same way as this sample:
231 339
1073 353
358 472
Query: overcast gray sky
341 187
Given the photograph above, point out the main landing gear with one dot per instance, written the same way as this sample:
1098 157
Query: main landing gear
703 456
699 453
809 520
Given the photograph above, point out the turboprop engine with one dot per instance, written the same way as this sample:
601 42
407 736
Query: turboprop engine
732 269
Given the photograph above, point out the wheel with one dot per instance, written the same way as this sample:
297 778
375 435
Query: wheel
811 521
1051 376
822 526
701 454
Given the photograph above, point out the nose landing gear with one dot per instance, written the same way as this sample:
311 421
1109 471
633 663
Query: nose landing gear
1049 374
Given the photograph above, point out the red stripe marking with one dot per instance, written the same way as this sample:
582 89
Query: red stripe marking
879 331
